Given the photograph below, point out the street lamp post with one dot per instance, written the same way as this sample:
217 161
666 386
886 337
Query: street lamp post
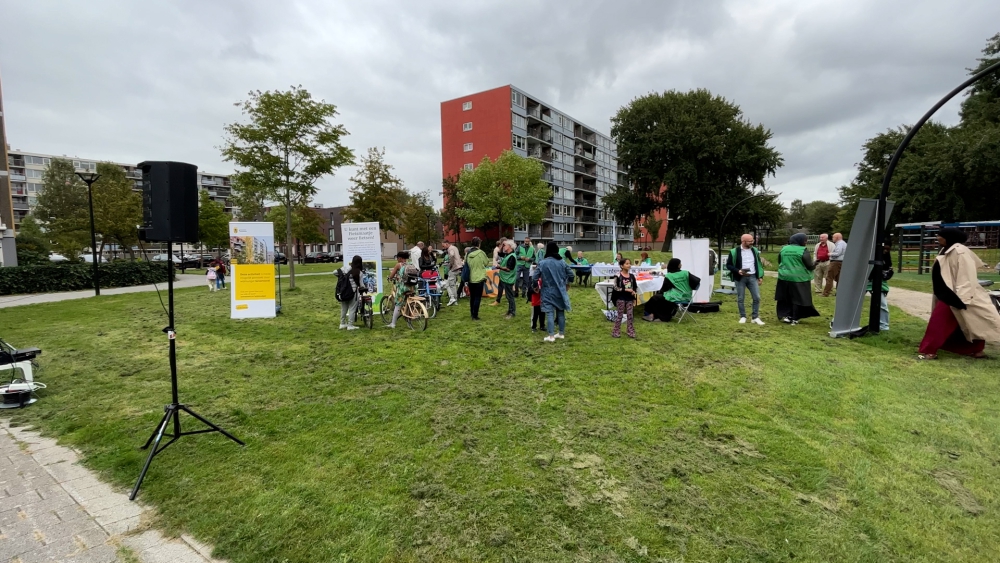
89 178
723 223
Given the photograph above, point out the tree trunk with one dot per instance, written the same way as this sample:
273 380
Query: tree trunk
288 236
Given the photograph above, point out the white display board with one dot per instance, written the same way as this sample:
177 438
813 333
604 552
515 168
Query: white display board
251 259
364 240
695 256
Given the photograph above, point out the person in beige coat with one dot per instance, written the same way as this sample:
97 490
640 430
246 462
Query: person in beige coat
821 257
963 317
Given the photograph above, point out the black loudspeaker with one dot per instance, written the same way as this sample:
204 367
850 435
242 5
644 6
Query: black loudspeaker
169 202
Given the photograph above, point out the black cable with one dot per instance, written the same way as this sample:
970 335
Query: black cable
160 297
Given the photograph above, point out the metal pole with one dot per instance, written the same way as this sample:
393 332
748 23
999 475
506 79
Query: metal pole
876 261
722 224
93 237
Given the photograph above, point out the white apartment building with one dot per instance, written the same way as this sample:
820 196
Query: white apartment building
26 170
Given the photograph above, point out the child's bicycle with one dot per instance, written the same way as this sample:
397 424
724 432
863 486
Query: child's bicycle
430 290
413 309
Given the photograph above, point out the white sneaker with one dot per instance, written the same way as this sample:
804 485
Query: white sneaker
743 320
549 339
352 327
452 302
758 321
560 336
343 325
390 326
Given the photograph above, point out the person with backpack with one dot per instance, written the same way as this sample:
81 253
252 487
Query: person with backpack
477 262
210 275
220 276
349 290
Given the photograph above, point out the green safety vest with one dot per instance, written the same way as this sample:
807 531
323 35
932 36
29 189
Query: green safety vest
565 254
790 266
681 293
508 261
736 257
647 262
582 262
523 252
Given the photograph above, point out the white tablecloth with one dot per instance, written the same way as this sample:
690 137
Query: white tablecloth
611 270
646 288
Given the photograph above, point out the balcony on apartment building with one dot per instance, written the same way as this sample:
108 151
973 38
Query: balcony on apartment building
207 181
585 185
585 234
541 133
548 211
534 231
586 216
20 205
583 201
18 177
585 152
535 151
585 135
583 167
547 230
14 161
534 112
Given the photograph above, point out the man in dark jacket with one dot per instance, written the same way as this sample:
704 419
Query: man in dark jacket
747 272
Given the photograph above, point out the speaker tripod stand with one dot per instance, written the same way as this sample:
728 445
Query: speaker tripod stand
172 412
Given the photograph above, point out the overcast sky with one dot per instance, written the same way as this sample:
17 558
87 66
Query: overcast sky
131 81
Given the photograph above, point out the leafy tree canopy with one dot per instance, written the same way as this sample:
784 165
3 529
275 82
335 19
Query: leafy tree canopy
62 209
32 244
508 191
376 194
289 143
419 219
213 222
693 153
450 219
306 223
117 207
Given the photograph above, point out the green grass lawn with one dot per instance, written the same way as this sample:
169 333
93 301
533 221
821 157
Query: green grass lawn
700 441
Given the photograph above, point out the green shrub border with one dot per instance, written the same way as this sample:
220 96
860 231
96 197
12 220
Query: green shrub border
74 277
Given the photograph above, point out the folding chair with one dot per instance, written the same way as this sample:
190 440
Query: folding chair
683 308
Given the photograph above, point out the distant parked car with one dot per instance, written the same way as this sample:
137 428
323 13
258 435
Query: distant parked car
318 258
280 258
88 258
56 257
336 256
164 258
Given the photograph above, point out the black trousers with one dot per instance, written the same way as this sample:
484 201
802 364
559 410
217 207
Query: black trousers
537 317
475 298
508 290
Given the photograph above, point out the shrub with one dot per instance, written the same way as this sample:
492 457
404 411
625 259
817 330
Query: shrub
74 277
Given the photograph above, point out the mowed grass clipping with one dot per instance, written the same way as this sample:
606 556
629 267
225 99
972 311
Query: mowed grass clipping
700 441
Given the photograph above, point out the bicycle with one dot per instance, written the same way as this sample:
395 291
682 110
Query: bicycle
413 309
366 311
430 291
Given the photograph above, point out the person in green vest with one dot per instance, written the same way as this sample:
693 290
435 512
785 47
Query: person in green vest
883 319
792 292
582 274
678 287
567 254
746 270
508 276
525 257
645 260
477 262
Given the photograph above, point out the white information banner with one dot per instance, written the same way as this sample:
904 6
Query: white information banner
251 257
364 240
695 257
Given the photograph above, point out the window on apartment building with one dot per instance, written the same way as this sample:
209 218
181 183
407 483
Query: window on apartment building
518 121
34 173
332 235
466 106
469 166
467 126
555 191
467 147
517 98
567 211
519 142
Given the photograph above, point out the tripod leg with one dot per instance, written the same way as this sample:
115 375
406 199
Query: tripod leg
211 425
159 429
156 444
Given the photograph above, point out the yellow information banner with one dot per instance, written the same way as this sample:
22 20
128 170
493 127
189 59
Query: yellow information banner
253 282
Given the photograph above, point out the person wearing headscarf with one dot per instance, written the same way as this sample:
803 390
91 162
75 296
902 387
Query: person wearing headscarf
962 317
678 287
556 276
792 292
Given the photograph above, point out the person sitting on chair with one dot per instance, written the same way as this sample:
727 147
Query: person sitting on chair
582 274
645 261
678 287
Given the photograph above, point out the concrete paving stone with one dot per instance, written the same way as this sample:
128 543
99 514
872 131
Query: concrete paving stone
121 527
117 512
203 549
85 483
70 513
9 547
24 499
20 485
55 455
141 542
105 502
53 531
102 554
173 551
59 550
48 505
11 516
62 472
52 490
84 494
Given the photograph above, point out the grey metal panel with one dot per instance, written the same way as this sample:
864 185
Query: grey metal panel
856 269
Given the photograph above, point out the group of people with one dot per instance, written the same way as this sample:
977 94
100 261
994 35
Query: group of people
215 275
963 315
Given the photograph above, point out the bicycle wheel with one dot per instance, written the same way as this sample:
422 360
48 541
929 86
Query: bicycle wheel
368 314
430 308
416 317
386 306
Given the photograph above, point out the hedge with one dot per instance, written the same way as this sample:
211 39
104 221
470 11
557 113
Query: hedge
74 277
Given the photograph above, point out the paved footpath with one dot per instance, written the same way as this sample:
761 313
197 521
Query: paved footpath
51 509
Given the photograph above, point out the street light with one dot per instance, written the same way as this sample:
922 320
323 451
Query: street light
723 223
89 178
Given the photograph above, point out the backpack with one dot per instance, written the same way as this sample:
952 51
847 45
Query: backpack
344 291
466 273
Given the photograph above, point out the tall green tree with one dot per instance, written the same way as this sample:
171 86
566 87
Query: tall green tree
508 191
377 195
450 220
249 196
982 106
213 223
62 209
419 219
698 146
652 225
306 225
820 216
796 213
32 244
289 143
117 207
